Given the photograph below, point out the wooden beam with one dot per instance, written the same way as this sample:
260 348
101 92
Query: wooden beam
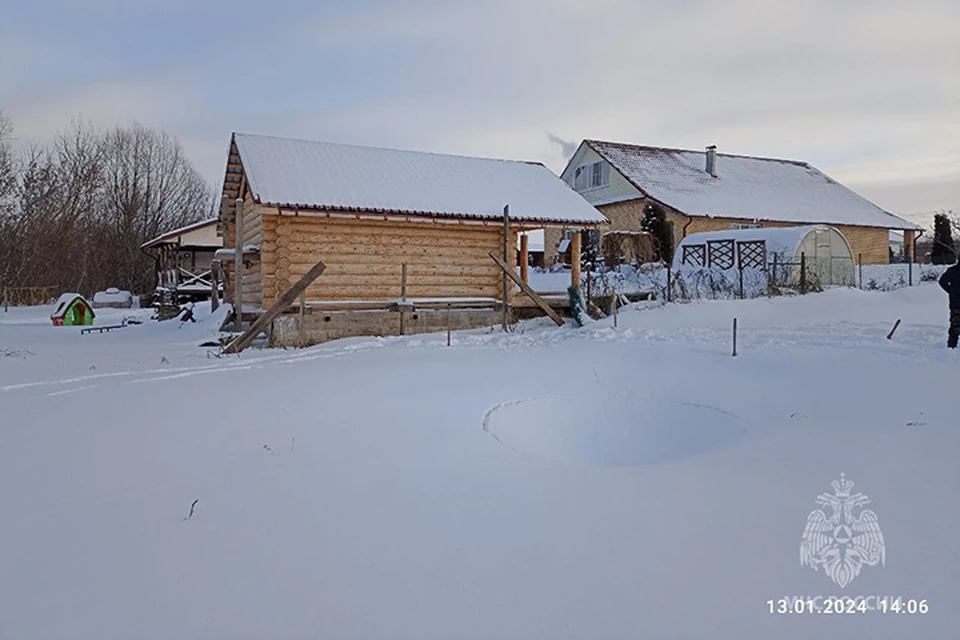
403 293
575 247
238 266
527 290
506 260
214 276
524 259
261 323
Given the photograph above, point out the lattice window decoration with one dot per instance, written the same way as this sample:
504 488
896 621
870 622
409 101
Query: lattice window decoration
720 254
752 254
694 255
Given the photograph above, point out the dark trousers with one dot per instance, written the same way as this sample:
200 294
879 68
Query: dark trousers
954 335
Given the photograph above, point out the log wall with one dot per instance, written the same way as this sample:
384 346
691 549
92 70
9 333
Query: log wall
252 271
364 257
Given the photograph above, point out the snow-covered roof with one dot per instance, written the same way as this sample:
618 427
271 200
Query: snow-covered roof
746 187
172 235
534 241
338 177
64 301
111 295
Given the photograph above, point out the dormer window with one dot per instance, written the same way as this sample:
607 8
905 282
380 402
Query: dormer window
591 176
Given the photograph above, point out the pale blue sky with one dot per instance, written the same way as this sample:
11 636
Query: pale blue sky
867 90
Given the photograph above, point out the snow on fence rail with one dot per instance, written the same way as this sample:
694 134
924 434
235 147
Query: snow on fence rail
704 283
888 277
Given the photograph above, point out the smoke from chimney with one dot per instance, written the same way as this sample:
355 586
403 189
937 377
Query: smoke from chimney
712 160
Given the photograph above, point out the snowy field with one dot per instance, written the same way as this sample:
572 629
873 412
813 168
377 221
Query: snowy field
636 482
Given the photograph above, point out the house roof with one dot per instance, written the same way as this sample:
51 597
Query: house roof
338 177
746 187
171 235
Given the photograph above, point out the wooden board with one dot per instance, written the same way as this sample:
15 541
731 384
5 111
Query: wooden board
261 323
530 293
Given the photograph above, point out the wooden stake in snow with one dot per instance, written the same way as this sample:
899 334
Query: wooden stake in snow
615 307
303 310
896 325
527 290
448 324
192 507
734 337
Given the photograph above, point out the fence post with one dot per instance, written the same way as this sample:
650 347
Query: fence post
803 272
615 307
776 283
669 283
741 282
860 265
589 279
403 293
302 313
910 271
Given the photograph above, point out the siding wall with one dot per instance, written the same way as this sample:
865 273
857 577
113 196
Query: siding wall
618 188
364 257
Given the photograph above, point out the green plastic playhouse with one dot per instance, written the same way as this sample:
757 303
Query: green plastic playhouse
72 310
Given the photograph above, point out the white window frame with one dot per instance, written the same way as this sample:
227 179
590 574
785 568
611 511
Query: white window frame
595 175
745 225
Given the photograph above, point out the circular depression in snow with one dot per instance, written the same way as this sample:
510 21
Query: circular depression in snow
623 429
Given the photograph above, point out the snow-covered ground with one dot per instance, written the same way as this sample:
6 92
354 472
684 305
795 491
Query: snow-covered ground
636 482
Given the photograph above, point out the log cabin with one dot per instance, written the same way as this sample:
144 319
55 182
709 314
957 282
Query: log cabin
399 231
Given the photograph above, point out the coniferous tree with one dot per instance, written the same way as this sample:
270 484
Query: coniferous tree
576 305
943 251
655 223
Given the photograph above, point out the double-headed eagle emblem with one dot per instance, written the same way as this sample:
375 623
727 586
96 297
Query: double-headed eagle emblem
847 539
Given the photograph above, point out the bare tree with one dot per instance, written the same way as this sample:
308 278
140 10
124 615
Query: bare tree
150 186
76 212
8 177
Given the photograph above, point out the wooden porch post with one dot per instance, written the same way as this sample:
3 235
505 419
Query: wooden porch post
575 246
238 266
507 259
909 245
524 258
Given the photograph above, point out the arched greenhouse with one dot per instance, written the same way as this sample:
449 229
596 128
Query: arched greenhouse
823 250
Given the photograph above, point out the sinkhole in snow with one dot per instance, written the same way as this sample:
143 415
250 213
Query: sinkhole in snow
623 429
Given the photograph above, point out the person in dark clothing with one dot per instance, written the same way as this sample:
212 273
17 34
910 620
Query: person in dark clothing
950 282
